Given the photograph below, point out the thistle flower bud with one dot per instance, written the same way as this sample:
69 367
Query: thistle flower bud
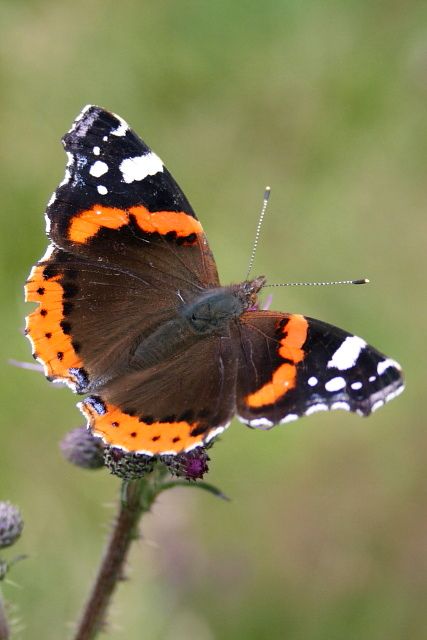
11 524
82 449
127 465
192 465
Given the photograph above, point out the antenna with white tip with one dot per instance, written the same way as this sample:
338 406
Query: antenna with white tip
258 229
317 284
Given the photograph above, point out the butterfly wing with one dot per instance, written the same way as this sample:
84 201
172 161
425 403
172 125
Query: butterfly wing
119 204
186 400
127 251
291 366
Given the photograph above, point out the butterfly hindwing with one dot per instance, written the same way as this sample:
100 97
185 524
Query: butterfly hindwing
170 407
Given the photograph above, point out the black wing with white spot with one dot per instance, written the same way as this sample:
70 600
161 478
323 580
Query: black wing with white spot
291 366
109 164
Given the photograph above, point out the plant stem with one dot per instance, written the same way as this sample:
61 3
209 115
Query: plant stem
4 625
136 498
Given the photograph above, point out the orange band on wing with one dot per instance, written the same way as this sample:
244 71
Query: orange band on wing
119 429
51 345
86 224
296 334
166 221
284 378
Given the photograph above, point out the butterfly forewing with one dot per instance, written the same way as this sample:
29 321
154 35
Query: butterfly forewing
291 366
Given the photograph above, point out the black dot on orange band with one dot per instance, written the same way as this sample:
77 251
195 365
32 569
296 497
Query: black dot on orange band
41 291
60 355
115 424
154 438
43 312
48 335
133 434
176 439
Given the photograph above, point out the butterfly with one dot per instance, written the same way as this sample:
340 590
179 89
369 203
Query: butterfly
131 313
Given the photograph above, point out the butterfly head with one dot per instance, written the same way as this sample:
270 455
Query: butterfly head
248 291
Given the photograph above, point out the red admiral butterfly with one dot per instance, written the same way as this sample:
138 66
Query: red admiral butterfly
131 311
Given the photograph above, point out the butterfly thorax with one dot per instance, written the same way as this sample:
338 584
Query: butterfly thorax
210 313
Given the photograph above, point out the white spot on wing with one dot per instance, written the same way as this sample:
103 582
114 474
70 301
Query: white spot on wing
395 393
122 128
312 381
289 418
52 199
315 408
47 219
79 117
67 170
335 384
387 364
260 422
102 190
341 405
216 432
47 255
98 169
356 385
347 353
377 405
96 151
139 167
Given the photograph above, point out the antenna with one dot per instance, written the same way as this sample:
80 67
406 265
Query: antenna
317 284
258 229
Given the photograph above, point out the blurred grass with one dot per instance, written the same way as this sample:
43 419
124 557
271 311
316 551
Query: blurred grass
326 536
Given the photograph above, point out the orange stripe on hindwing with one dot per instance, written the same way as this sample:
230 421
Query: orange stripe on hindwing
52 345
284 378
127 432
86 224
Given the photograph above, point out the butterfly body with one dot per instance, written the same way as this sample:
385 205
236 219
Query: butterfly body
131 311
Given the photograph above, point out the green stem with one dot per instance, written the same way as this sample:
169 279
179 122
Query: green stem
4 625
137 497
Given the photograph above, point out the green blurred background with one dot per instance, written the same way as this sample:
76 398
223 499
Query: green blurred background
326 534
